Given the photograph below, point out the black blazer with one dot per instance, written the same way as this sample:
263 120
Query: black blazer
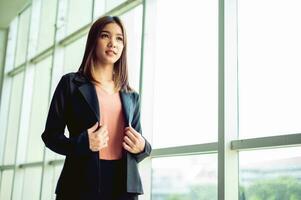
75 104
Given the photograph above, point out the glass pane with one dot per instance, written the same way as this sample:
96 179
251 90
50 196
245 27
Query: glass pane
50 178
39 110
270 174
185 178
79 14
32 183
269 67
133 25
110 4
13 119
74 53
47 24
22 38
99 8
6 184
186 73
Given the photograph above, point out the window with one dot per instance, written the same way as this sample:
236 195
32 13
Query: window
79 14
13 119
270 174
32 177
133 25
39 110
47 24
110 4
185 90
185 177
6 184
74 53
22 38
269 67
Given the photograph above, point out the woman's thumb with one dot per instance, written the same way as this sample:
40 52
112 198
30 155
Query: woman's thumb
94 127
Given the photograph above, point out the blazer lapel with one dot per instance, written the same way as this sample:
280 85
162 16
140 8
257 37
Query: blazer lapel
126 106
89 93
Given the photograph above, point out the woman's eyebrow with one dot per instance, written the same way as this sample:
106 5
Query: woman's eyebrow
119 34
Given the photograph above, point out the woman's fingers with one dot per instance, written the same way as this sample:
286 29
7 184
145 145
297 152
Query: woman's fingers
133 141
129 142
133 131
99 138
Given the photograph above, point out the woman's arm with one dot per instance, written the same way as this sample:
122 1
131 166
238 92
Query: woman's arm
53 135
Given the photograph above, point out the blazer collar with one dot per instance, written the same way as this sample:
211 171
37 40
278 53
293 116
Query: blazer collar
88 91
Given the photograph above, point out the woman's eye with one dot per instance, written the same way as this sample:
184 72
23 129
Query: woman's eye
104 35
119 38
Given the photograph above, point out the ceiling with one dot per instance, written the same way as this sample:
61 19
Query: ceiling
9 9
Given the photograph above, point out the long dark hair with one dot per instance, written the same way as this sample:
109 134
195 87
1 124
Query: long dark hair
120 76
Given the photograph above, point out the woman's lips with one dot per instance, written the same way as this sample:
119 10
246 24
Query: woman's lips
110 52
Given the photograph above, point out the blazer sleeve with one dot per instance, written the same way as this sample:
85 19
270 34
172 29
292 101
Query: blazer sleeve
53 135
136 124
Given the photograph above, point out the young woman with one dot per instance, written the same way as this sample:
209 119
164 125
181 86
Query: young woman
102 114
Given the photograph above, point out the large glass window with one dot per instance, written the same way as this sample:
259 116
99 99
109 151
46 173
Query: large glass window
6 184
133 25
22 38
47 24
270 174
39 110
110 4
13 119
269 67
79 14
32 183
185 178
74 53
185 104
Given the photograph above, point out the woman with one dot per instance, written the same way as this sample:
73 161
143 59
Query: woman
102 114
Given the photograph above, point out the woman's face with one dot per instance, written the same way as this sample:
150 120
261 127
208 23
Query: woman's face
109 44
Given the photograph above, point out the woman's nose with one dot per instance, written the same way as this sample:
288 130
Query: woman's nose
112 43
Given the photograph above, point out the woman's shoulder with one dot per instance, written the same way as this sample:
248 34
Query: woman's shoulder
71 75
75 77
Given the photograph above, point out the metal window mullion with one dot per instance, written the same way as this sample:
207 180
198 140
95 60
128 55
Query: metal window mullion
195 149
267 142
221 112
228 169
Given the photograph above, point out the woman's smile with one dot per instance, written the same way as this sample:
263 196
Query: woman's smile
110 52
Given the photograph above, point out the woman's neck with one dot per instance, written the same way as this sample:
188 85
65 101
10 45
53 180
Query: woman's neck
104 73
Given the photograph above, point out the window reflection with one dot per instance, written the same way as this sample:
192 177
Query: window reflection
270 174
185 178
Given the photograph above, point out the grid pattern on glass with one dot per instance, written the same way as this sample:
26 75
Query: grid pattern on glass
32 183
185 177
270 174
133 24
269 67
39 110
79 14
74 53
185 104
13 119
22 37
6 184
47 24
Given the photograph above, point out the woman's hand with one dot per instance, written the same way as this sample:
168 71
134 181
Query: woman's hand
133 141
98 137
